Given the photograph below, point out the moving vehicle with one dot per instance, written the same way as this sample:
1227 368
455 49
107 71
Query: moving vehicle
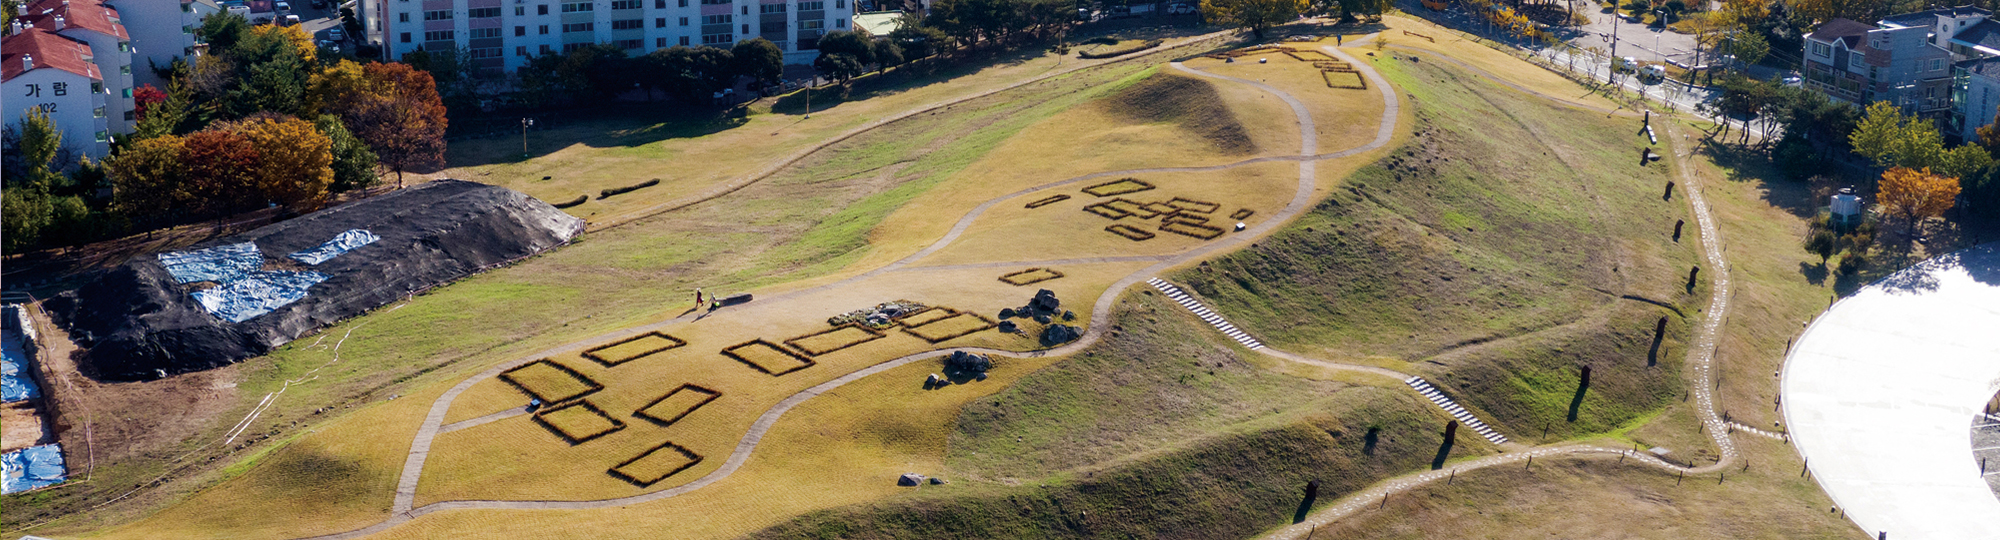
1627 64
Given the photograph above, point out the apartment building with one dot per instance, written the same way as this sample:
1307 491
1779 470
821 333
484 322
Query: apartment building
161 31
43 71
100 27
505 34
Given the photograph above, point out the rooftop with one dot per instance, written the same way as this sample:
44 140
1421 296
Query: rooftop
86 14
1847 31
1929 17
49 51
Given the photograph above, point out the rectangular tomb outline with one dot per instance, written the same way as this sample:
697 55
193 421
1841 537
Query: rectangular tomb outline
1052 199
675 449
1129 232
1031 276
799 342
595 353
510 377
542 417
667 418
730 352
923 331
1118 187
925 316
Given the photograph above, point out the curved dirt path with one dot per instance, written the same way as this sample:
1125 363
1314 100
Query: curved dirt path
404 508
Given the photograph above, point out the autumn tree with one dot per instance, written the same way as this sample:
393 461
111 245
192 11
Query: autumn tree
1916 194
221 170
144 98
403 122
1256 15
297 161
150 178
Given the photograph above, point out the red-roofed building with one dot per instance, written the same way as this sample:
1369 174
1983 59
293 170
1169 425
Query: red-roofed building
98 25
40 70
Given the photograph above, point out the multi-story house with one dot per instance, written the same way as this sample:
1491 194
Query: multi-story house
42 71
99 26
1899 60
505 34
162 30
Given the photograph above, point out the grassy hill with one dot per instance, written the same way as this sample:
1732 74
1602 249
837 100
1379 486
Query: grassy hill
1511 243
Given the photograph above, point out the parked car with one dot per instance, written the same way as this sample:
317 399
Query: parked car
284 7
291 20
1654 72
319 4
1793 81
336 34
1180 9
1628 64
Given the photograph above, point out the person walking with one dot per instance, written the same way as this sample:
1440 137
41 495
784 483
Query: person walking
697 298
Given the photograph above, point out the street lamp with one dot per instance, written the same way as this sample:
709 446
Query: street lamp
525 124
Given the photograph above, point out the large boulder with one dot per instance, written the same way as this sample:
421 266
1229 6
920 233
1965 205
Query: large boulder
1057 334
1045 301
910 480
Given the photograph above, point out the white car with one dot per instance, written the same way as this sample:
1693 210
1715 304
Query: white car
1654 72
1180 9
284 7
1628 64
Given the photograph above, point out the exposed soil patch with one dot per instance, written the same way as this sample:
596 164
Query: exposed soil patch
1191 103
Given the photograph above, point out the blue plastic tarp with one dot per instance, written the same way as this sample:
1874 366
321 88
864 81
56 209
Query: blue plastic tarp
256 293
15 382
30 468
341 243
219 263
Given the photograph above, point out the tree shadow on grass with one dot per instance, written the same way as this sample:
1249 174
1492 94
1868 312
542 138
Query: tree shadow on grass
1749 164
1814 273
1306 504
626 124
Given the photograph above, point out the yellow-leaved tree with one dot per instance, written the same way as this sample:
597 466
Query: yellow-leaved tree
296 164
1916 194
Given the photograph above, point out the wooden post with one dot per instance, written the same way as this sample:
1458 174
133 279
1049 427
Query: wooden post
1803 466
1683 476
1677 228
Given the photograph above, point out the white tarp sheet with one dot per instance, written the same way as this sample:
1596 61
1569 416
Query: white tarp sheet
30 468
341 243
219 263
257 293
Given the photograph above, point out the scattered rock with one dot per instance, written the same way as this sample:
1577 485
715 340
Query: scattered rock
1009 327
1006 313
910 480
937 481
965 362
1060 333
1044 319
1069 315
1045 301
933 380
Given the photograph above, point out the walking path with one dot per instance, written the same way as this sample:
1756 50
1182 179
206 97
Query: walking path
1431 393
404 510
1202 311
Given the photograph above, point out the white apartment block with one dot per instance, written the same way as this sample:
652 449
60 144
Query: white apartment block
99 26
43 71
161 31
505 34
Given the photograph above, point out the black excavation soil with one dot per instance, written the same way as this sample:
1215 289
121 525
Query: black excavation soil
136 323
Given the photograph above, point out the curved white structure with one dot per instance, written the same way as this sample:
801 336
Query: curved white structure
1881 392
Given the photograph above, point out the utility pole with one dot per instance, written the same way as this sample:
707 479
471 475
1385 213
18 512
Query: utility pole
1615 18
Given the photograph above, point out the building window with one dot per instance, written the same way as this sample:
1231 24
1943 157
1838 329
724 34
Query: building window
484 52
629 43
439 15
684 41
841 23
660 42
440 35
746 28
125 69
628 24
659 4
771 8
660 22
520 31
98 113
1821 49
520 50
546 50
130 115
627 4
567 47
542 10
839 4
483 13
684 21
773 27
574 7
714 2
520 11
544 29
716 39
815 5
746 10
478 33
1937 65
812 25
124 46
402 17
406 37
718 19
96 87
579 27
102 136
684 3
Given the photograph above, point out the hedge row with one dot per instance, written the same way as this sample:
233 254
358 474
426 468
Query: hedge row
627 189
1120 52
580 199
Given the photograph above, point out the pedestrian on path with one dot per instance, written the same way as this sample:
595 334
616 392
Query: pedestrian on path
697 298
1337 38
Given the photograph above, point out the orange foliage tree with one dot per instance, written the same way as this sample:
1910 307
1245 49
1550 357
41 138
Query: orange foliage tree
1916 194
222 168
402 118
296 160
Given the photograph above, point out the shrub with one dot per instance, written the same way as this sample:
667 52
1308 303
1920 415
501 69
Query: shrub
1119 52
627 189
580 199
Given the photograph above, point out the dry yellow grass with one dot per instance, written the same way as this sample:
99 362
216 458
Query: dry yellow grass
657 464
1345 118
768 357
844 447
1494 62
952 327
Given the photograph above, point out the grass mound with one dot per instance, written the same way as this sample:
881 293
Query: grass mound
1501 250
1168 395
1191 103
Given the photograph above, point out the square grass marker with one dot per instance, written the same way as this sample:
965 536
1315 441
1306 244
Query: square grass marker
841 337
1118 187
924 317
959 325
578 421
549 381
633 348
1133 233
655 465
767 357
677 404
1030 276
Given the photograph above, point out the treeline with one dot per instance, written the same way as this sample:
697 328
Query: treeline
263 119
